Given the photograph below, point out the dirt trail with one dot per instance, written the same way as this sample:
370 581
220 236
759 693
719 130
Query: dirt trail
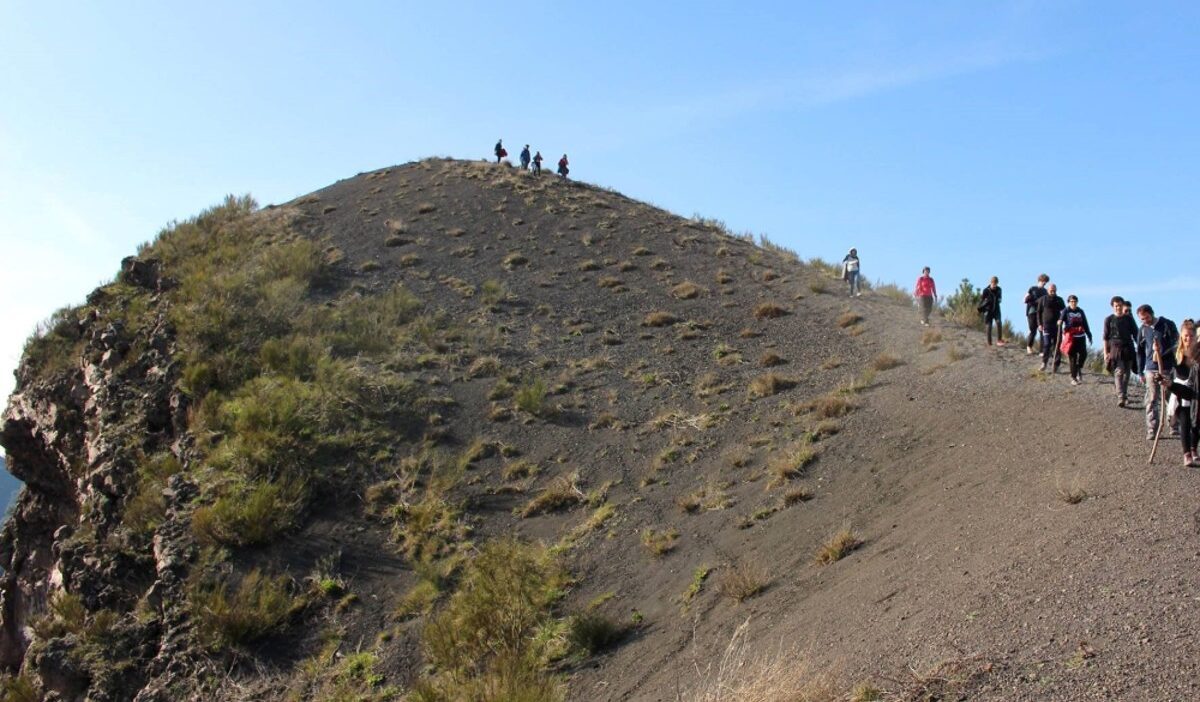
952 473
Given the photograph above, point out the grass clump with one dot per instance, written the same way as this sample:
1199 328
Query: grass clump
250 513
226 615
699 576
660 543
742 580
1071 493
790 463
659 319
686 290
848 319
561 493
531 398
593 632
770 359
770 384
885 361
838 546
769 310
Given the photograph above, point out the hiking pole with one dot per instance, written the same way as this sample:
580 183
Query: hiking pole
1162 404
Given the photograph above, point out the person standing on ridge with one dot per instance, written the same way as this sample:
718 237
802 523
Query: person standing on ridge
1183 383
499 150
1120 355
537 163
563 169
1076 335
1049 308
525 158
926 292
850 271
989 305
1156 341
1035 293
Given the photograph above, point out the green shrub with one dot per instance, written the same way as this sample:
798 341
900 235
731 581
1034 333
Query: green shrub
592 633
249 514
482 645
531 398
55 343
227 616
18 689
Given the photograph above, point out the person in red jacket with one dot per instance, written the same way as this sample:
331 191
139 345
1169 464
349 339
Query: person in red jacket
562 167
925 292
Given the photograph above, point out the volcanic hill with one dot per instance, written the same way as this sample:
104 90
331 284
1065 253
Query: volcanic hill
447 431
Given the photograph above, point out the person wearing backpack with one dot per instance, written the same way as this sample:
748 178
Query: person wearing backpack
1183 384
1076 335
1035 293
525 158
989 307
1049 309
1156 345
1120 340
537 163
925 291
563 167
850 272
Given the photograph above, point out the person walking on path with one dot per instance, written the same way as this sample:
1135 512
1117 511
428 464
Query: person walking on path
1076 334
499 150
989 305
926 292
1035 293
1156 341
1183 384
537 163
1120 340
850 272
1049 309
525 158
563 167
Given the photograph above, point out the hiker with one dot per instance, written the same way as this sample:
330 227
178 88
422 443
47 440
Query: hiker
1120 339
537 163
562 167
499 150
1049 308
525 158
1156 342
926 292
850 270
1035 293
1183 384
989 305
1076 335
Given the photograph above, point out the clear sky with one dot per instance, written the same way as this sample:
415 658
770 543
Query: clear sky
1005 138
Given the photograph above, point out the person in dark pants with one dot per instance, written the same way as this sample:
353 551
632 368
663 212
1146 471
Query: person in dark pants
989 305
563 167
1156 340
537 163
1183 383
925 292
499 150
525 158
851 266
1034 294
1120 353
1074 325
1049 309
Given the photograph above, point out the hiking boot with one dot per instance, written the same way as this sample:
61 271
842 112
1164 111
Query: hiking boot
1074 381
1055 367
1120 402
1193 460
1042 368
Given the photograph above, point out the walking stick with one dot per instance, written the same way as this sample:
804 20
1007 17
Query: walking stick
1162 404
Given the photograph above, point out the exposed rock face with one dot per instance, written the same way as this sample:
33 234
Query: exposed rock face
73 438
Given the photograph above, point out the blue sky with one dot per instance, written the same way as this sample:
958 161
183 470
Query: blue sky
978 138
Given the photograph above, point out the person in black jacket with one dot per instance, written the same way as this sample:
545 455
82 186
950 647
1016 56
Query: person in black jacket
1183 383
1157 334
1120 353
989 305
1074 325
1035 293
1049 308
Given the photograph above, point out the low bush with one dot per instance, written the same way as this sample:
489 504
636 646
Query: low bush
742 580
769 310
770 384
226 615
838 546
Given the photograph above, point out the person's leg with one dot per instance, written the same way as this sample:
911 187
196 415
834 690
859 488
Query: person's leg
1121 378
1186 437
1151 402
1048 346
1033 329
1081 350
987 322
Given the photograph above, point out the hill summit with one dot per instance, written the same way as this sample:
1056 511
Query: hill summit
448 431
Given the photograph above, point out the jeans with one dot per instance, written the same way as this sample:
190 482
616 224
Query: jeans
852 279
1187 431
1152 401
1077 356
1122 368
989 320
1050 346
926 305
1033 328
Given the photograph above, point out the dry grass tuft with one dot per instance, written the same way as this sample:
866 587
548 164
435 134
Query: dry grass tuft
589 265
828 406
561 493
659 319
748 334
931 337
847 319
954 353
514 259
723 277
742 580
795 496
686 290
769 310
609 282
743 675
771 359
1072 493
770 384
831 363
484 367
660 543
426 207
838 547
790 463
885 361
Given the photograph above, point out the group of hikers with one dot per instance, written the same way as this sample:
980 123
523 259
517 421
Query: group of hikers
536 160
1164 358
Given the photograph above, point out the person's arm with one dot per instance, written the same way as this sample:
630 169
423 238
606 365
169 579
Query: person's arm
1087 329
1141 351
933 288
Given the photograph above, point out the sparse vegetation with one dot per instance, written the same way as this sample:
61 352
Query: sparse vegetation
838 546
227 615
770 384
659 319
790 463
848 319
885 361
660 543
769 310
742 580
686 290
562 492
